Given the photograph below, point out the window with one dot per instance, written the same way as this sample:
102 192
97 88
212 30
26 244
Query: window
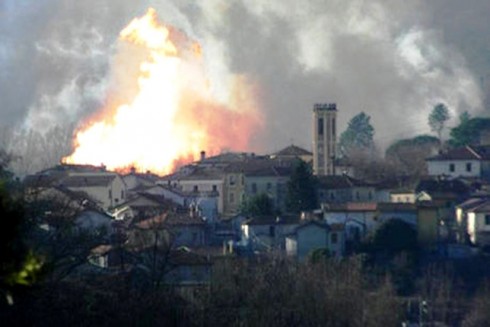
451 168
232 180
196 188
487 219
122 194
334 238
272 231
333 127
269 186
468 166
320 126
370 195
232 197
357 195
110 194
254 188
215 188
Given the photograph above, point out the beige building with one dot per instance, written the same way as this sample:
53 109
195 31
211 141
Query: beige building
235 178
106 188
324 138
254 177
403 196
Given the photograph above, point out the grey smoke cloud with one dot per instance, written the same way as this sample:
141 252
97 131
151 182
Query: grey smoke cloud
392 59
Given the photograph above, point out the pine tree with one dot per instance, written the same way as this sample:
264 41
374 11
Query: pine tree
301 189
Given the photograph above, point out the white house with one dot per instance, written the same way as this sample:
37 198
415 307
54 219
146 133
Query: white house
196 181
473 218
468 161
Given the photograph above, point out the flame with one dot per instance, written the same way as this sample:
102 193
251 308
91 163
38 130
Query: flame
172 115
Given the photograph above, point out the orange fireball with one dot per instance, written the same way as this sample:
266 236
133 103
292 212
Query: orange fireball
172 114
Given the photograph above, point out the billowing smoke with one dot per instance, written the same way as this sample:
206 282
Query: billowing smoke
392 59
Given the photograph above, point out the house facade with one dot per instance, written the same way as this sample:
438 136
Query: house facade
403 196
468 161
268 232
343 188
315 235
195 182
271 181
473 218
106 188
430 232
359 218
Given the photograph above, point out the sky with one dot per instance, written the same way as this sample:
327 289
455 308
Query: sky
391 59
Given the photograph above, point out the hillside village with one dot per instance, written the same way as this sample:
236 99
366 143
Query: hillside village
203 203
174 229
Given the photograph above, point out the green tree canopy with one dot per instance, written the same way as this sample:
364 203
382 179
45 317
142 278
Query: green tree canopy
358 135
258 205
438 118
395 236
18 265
407 156
468 131
420 140
301 188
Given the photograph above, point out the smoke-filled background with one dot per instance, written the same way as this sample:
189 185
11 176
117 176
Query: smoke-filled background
391 59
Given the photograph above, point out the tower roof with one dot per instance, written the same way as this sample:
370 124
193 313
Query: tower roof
325 106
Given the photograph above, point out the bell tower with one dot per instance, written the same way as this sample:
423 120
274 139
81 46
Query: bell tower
324 138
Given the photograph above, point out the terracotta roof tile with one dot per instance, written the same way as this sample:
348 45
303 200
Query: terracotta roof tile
350 206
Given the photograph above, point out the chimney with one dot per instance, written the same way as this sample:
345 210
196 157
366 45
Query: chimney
485 137
203 155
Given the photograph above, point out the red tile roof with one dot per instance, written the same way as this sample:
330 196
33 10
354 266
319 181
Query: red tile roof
350 206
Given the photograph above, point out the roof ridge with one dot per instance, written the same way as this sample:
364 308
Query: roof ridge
480 204
473 151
